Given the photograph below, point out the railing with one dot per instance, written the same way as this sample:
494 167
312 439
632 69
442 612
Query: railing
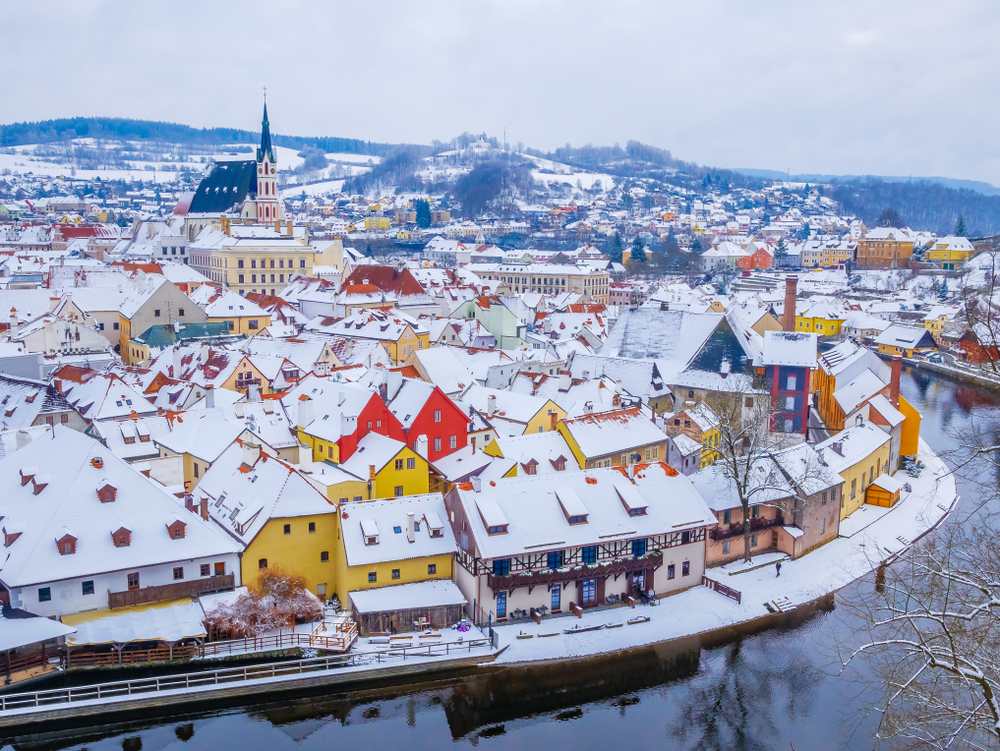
722 589
242 383
735 529
132 656
339 641
548 576
23 662
172 591
229 675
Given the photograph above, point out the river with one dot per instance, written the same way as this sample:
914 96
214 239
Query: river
741 690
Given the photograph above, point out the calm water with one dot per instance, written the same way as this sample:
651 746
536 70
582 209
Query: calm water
761 690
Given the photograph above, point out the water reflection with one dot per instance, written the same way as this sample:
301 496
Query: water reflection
763 688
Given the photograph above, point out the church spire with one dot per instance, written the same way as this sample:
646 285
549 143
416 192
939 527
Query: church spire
265 136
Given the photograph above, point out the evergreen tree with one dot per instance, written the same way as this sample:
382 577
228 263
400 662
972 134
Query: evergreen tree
960 229
616 249
638 252
782 250
368 251
943 291
696 246
423 213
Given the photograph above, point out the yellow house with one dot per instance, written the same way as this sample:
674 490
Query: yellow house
904 340
389 467
392 542
509 411
950 252
939 319
533 454
911 428
858 454
377 222
825 320
283 522
238 313
616 438
699 423
397 332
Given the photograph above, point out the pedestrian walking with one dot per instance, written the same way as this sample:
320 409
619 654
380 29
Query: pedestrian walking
777 567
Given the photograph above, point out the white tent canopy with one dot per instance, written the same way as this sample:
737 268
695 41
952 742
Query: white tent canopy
20 632
170 624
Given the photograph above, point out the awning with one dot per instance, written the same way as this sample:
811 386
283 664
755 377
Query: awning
169 621
20 632
430 594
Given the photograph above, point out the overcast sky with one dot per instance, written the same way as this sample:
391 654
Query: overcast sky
894 88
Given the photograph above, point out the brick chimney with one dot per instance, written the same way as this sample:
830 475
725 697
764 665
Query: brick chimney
897 373
791 294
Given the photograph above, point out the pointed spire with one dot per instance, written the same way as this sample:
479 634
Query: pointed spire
265 136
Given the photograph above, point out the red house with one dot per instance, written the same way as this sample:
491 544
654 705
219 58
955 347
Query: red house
759 259
979 345
375 417
424 409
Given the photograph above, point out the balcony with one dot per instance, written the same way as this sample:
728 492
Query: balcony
245 383
724 532
576 573
173 591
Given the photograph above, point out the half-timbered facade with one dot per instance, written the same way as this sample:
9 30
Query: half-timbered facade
552 543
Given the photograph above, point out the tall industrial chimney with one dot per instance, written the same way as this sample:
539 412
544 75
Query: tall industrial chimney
791 294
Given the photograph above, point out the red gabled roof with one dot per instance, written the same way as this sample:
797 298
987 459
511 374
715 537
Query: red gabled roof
387 279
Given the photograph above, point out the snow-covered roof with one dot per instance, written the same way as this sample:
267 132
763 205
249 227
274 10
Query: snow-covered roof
790 348
68 503
535 520
905 337
615 431
429 594
851 445
390 517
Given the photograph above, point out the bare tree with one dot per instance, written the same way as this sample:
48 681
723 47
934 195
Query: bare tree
933 641
749 454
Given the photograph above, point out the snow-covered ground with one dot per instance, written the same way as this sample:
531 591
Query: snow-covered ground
875 534
315 189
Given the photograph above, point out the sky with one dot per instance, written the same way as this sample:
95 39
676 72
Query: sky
873 87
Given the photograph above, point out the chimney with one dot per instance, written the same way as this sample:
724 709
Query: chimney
631 470
189 502
340 398
240 409
422 445
178 357
838 448
204 508
411 534
205 352
588 407
288 225
253 393
491 405
477 484
13 322
394 380
791 294
565 380
23 438
305 412
897 372
177 327
277 226
251 452
210 396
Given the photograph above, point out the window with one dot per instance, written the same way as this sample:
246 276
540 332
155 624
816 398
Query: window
685 538
755 512
253 263
589 594
437 444
88 587
133 580
372 577
178 573
398 491
302 263
115 326
589 554
790 404
725 548
790 383
453 442
240 278
822 526
502 604
206 569
312 527
324 556
432 569
44 594
823 501
180 312
753 541
395 573
288 529
399 464
156 313
239 264
727 517
638 548
411 463
686 568
262 564
555 559
556 597
854 489
437 415
501 566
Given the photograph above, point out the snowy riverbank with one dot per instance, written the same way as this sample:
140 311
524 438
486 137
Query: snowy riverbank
868 537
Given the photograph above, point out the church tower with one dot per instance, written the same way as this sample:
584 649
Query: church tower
269 205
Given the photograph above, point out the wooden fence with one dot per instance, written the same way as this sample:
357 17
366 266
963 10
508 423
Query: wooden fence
732 594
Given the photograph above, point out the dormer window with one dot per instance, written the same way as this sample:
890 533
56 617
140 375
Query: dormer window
66 544
106 492
530 468
369 530
122 537
498 529
177 530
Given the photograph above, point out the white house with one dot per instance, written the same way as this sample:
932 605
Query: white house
83 530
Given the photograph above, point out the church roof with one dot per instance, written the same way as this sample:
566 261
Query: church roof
227 185
265 139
